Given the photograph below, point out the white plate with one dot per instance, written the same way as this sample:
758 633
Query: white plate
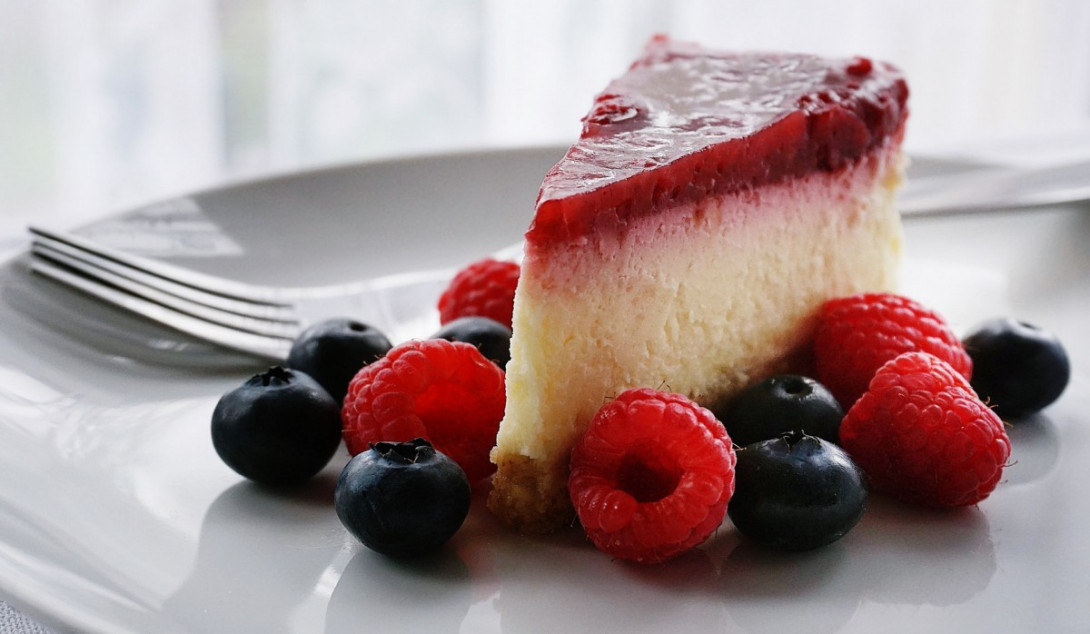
116 514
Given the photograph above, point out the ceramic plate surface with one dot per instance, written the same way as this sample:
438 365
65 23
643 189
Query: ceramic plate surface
116 514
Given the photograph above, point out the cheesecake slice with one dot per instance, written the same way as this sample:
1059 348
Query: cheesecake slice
713 201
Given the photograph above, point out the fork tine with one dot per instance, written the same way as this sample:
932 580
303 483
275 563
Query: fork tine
164 270
262 321
89 274
65 254
267 347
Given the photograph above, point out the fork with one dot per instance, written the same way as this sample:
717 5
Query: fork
263 321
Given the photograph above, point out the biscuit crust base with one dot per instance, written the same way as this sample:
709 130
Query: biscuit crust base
531 496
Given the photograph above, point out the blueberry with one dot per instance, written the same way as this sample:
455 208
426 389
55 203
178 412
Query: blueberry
332 351
491 337
1017 367
279 427
781 404
402 499
796 492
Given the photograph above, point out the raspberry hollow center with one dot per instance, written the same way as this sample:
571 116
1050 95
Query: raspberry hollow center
647 473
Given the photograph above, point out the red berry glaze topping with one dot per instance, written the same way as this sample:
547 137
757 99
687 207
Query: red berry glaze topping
921 434
652 475
860 67
482 289
445 392
685 122
857 334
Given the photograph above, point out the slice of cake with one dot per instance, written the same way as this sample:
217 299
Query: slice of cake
685 242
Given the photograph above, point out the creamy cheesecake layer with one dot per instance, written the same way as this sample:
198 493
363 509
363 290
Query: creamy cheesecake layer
703 298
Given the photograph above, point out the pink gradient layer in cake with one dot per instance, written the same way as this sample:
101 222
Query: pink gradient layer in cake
685 242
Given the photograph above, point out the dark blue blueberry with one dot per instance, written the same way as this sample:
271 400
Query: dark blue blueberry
782 404
1018 368
491 337
334 350
796 492
402 499
279 427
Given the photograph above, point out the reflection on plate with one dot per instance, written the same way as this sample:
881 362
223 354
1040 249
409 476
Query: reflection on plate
117 515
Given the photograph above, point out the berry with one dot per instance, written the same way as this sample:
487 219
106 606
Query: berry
651 476
332 351
491 337
921 434
402 499
485 288
443 391
1018 368
796 492
857 334
781 404
278 428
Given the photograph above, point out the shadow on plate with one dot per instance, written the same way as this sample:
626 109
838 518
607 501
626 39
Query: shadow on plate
773 591
921 556
1035 450
261 555
377 593
896 555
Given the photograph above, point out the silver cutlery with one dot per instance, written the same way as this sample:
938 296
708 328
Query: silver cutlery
258 320
996 188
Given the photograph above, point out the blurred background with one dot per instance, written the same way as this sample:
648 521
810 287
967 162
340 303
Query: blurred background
105 104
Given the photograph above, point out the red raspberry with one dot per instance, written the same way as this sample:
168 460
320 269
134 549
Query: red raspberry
922 434
857 334
652 475
445 392
484 289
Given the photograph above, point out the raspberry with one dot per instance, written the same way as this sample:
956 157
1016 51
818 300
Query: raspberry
652 475
857 334
921 434
485 289
445 392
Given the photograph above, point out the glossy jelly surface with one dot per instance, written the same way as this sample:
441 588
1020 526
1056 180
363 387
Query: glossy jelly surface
685 122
